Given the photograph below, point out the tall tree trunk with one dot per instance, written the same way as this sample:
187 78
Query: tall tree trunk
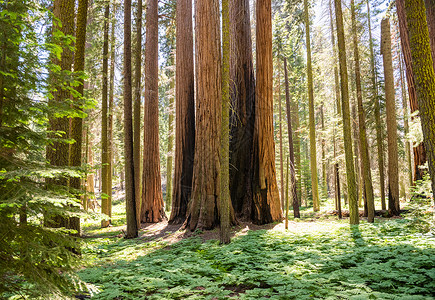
130 200
225 201
347 129
323 142
367 176
313 151
393 170
105 193
295 201
430 19
338 111
422 64
170 155
58 152
297 148
185 113
379 139
281 154
405 121
75 159
205 203
110 112
242 114
152 207
266 206
136 109
419 151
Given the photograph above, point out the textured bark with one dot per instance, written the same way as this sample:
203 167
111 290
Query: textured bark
58 152
338 111
393 170
130 200
185 113
281 154
419 151
152 207
225 201
136 109
294 194
204 206
405 122
379 139
75 158
367 176
170 155
110 111
105 193
422 63
430 19
312 126
350 171
266 206
242 114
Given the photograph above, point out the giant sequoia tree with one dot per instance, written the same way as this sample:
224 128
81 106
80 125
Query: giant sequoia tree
205 202
266 207
419 151
58 152
422 63
242 114
152 210
185 113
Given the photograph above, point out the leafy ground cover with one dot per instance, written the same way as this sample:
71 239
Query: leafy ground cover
323 259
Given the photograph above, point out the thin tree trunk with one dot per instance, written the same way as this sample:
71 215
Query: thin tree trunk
242 114
405 122
367 176
312 125
379 139
110 112
281 159
393 170
350 170
295 201
266 206
338 110
130 199
152 207
105 196
170 155
136 109
419 151
422 64
225 201
185 113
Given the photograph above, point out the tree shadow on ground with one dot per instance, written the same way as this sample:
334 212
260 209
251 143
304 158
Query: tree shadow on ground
345 263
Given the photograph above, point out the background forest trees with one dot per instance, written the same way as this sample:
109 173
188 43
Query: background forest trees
90 108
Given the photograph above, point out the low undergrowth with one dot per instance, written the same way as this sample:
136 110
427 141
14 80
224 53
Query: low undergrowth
387 260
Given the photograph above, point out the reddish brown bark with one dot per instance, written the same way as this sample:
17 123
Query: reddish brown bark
242 114
266 206
204 205
185 113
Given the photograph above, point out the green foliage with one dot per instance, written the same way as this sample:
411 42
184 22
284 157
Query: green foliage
375 261
34 260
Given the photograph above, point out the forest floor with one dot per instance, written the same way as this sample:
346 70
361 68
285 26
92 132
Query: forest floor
317 257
